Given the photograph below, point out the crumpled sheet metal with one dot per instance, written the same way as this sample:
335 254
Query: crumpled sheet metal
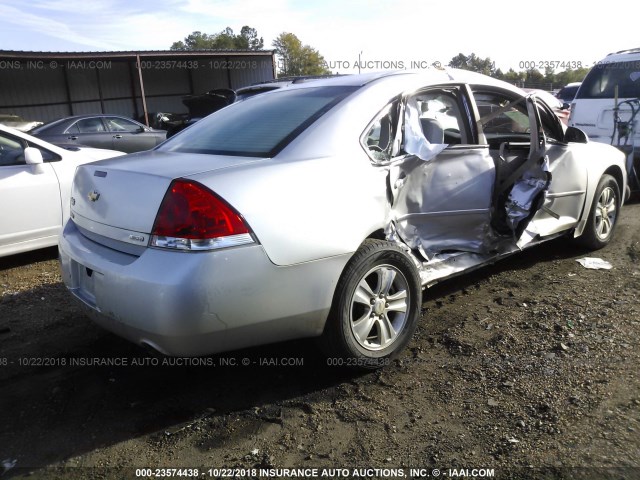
525 190
431 202
430 212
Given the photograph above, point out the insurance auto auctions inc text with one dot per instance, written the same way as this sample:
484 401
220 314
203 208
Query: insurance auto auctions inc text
341 65
349 473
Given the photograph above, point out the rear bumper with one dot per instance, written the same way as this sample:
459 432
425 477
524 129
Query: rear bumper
192 304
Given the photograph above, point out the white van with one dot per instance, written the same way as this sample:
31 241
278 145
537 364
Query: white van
613 81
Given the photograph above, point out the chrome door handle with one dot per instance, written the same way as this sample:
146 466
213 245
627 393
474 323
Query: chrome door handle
117 136
72 137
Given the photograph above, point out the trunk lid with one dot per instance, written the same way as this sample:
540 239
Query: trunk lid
119 198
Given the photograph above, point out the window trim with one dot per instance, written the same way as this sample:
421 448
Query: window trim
459 93
507 95
106 129
390 105
105 121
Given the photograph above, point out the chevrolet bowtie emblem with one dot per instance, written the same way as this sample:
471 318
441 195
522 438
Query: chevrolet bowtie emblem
93 196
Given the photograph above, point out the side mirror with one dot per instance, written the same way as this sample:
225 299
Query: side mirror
566 105
141 129
33 156
575 135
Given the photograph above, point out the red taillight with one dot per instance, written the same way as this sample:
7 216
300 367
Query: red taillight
192 217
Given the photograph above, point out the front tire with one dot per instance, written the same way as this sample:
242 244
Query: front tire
375 308
603 215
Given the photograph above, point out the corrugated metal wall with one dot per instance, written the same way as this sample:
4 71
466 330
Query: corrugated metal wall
48 89
30 84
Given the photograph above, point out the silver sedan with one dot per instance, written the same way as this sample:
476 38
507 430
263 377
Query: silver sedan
101 131
325 209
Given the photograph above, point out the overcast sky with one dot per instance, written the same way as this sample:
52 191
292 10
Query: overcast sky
388 33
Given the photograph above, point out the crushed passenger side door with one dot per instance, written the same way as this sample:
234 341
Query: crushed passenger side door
442 183
518 146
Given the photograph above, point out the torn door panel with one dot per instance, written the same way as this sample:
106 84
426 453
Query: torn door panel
444 204
441 197
525 194
523 181
529 191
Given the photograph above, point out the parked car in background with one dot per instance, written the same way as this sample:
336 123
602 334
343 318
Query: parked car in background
559 108
17 122
35 183
101 131
324 209
164 120
203 105
199 107
607 104
567 93
276 84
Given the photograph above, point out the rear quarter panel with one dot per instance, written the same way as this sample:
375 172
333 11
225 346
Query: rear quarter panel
309 209
321 196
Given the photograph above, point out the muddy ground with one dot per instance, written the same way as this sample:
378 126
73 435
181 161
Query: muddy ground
529 367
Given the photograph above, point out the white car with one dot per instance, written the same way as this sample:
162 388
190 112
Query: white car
35 185
607 104
552 102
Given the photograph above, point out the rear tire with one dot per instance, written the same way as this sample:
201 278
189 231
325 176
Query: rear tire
375 307
603 215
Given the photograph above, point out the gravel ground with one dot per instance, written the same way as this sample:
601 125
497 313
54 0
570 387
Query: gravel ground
528 368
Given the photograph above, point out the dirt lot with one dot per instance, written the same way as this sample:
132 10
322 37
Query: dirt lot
529 367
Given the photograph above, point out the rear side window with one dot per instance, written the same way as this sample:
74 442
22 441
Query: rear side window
601 81
259 128
116 124
90 125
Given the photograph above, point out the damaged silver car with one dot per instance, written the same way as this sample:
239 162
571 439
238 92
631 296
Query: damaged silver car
325 209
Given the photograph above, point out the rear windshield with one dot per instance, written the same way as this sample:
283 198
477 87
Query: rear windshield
260 126
601 81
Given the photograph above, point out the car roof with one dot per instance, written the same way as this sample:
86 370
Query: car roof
431 76
92 115
623 55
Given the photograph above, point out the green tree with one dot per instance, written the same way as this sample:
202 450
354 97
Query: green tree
569 76
296 58
225 40
474 63
195 41
513 77
533 78
248 38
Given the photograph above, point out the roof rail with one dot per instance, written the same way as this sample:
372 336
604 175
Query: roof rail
630 50
298 79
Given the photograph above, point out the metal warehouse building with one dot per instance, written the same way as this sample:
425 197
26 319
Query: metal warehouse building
45 86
